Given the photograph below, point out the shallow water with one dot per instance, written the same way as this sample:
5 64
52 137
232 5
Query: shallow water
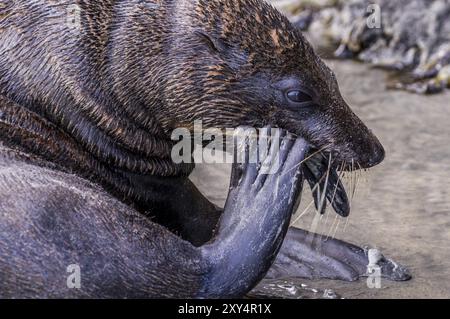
403 208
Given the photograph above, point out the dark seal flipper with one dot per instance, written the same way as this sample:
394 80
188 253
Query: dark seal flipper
313 256
251 231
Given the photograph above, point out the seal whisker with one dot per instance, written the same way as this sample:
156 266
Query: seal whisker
340 175
322 202
337 227
367 172
332 226
352 182
346 223
323 198
352 186
357 178
302 213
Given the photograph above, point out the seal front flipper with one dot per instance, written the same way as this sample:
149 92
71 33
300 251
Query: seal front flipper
255 220
314 256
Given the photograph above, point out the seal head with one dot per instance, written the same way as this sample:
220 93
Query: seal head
243 63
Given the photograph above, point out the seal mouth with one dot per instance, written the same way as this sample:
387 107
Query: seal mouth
325 182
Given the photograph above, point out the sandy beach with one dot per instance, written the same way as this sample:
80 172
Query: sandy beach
401 207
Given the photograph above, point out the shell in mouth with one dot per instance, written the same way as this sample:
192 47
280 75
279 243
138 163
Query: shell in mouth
326 185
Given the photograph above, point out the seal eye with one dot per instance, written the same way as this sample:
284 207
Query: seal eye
298 96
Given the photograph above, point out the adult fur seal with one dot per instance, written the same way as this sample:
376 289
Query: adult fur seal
90 93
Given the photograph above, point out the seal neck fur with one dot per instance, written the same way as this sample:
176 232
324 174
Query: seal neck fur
46 145
152 159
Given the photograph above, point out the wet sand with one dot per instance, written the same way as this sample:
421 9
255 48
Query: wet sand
402 206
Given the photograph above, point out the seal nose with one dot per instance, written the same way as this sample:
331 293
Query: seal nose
368 151
378 157
377 154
